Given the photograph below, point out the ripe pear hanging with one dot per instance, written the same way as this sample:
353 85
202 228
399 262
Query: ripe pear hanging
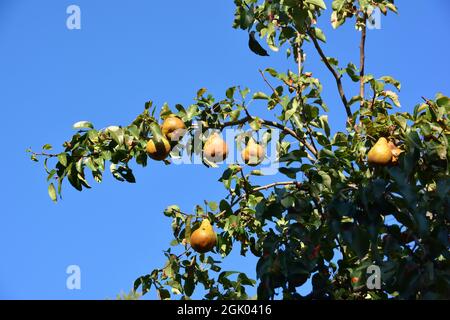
380 153
158 147
253 153
158 150
204 238
215 148
173 128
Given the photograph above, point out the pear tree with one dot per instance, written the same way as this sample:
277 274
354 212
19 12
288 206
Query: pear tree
372 196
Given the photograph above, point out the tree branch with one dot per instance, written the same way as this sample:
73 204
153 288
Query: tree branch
278 126
275 184
362 48
268 83
336 76
299 55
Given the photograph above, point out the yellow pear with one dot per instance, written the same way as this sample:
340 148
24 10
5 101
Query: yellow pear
158 149
173 128
380 153
204 238
215 149
253 153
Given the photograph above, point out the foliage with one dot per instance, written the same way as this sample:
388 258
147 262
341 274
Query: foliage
336 215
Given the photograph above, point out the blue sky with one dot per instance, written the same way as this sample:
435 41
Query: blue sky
125 54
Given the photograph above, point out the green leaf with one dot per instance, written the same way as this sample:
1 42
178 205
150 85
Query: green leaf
360 242
290 172
337 5
393 96
165 111
260 96
189 285
271 71
354 99
187 229
62 158
244 92
243 279
212 205
255 124
326 180
47 147
230 92
191 111
181 110
51 174
116 134
320 35
83 125
287 202
352 72
443 101
134 130
171 211
324 124
256 173
225 206
391 80
163 294
52 192
201 92
318 3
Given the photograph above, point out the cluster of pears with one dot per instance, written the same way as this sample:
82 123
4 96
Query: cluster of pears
216 150
383 153
158 148
203 239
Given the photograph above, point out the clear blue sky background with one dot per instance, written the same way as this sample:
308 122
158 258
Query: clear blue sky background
125 54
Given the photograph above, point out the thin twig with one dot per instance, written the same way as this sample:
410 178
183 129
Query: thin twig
43 154
299 54
362 48
275 184
246 183
268 83
335 74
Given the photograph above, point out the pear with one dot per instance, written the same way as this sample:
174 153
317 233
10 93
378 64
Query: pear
158 149
380 153
215 149
253 153
204 238
173 128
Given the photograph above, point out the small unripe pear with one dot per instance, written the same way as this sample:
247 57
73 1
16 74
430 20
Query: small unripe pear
215 148
380 153
253 153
